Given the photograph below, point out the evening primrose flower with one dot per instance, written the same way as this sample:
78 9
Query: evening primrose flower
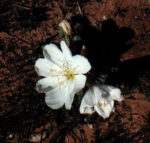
100 99
63 75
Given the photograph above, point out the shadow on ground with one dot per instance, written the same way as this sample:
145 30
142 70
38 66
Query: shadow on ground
105 43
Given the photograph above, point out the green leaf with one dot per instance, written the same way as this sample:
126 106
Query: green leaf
76 38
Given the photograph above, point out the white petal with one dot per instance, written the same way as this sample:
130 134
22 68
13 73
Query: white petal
87 101
103 94
46 84
69 94
86 109
46 68
81 64
74 86
89 98
69 101
107 108
114 92
105 111
89 110
66 51
53 53
112 104
79 82
98 92
42 67
55 98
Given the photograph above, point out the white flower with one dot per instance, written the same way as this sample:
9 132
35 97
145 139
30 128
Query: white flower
63 75
100 99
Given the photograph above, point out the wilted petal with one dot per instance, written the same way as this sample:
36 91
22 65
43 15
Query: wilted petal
81 64
105 103
114 92
46 84
98 94
103 94
66 52
104 112
53 53
112 105
87 101
89 110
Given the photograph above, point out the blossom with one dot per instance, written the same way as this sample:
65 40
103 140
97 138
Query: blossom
63 75
100 99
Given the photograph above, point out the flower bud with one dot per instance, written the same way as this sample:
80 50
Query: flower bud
65 25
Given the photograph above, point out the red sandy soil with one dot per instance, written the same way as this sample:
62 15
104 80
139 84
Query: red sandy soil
27 25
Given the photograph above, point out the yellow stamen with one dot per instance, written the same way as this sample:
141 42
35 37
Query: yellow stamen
52 69
102 103
69 73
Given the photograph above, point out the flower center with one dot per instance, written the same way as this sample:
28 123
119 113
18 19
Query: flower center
69 73
102 103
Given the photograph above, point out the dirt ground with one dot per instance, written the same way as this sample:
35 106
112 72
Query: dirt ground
116 34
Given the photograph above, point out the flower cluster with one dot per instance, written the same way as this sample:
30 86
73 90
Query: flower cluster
63 76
